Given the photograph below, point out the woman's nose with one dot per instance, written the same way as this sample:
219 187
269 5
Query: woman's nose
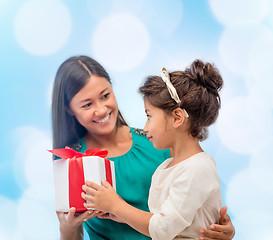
100 109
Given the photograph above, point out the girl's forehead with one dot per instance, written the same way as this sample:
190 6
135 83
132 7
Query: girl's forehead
147 103
149 107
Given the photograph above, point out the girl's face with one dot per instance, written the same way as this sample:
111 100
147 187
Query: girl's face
95 106
157 126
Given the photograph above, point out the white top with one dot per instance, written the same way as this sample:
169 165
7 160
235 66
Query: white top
184 198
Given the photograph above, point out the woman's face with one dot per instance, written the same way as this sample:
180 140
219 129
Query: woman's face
95 106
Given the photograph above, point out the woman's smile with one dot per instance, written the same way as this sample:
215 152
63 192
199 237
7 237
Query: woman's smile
104 120
95 106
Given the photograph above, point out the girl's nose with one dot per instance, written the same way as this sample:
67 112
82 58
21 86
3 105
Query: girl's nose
145 129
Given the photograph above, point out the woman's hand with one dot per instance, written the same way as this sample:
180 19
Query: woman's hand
224 231
103 198
111 216
71 224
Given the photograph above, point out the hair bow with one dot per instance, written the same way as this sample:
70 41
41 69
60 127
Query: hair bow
166 78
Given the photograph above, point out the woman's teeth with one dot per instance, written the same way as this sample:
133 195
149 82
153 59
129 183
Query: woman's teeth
104 119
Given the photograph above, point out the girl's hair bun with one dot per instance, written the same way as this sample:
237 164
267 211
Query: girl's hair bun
206 75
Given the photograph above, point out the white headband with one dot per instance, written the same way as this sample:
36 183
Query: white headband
166 78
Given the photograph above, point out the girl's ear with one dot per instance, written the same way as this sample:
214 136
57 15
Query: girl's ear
178 117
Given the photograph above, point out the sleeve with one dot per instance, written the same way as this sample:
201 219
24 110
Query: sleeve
190 189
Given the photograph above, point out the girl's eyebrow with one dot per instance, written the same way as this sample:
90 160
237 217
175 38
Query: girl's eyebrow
88 99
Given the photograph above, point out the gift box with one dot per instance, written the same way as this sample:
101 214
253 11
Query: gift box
71 172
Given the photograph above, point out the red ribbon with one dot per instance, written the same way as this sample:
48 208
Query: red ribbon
76 173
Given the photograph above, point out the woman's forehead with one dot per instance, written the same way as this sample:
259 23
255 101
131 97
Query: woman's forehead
94 87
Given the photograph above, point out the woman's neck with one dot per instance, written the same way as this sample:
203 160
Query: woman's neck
117 143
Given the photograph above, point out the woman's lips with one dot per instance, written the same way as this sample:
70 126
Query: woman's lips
103 120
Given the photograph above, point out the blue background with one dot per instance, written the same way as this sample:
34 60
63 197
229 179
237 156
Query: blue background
133 39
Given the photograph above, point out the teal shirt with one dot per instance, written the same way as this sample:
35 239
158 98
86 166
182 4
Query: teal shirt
133 172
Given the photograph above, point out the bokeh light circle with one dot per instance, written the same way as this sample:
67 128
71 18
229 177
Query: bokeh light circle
121 42
161 17
42 27
235 46
240 126
243 12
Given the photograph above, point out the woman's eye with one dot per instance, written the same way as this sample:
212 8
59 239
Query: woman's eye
87 105
105 95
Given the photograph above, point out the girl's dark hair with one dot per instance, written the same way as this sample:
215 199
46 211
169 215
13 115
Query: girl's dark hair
198 89
71 77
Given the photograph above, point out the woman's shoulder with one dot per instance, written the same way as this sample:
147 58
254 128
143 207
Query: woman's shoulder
142 143
77 146
139 131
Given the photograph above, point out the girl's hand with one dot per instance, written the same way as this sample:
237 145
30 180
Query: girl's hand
102 198
224 231
71 224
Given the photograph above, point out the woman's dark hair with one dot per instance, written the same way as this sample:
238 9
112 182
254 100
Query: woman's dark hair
198 89
71 77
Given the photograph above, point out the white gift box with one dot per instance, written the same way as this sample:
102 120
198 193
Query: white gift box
71 173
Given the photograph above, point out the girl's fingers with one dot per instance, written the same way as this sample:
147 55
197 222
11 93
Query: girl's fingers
92 185
88 190
106 184
87 197
89 205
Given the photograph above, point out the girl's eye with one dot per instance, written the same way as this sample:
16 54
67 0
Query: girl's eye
87 105
105 96
148 116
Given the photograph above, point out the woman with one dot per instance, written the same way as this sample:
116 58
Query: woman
85 115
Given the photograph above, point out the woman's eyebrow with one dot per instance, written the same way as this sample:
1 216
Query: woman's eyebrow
89 99
103 91
85 100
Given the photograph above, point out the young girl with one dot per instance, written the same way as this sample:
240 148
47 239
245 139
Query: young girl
85 115
185 192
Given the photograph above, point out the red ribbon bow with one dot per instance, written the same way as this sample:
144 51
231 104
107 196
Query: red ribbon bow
68 152
76 173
